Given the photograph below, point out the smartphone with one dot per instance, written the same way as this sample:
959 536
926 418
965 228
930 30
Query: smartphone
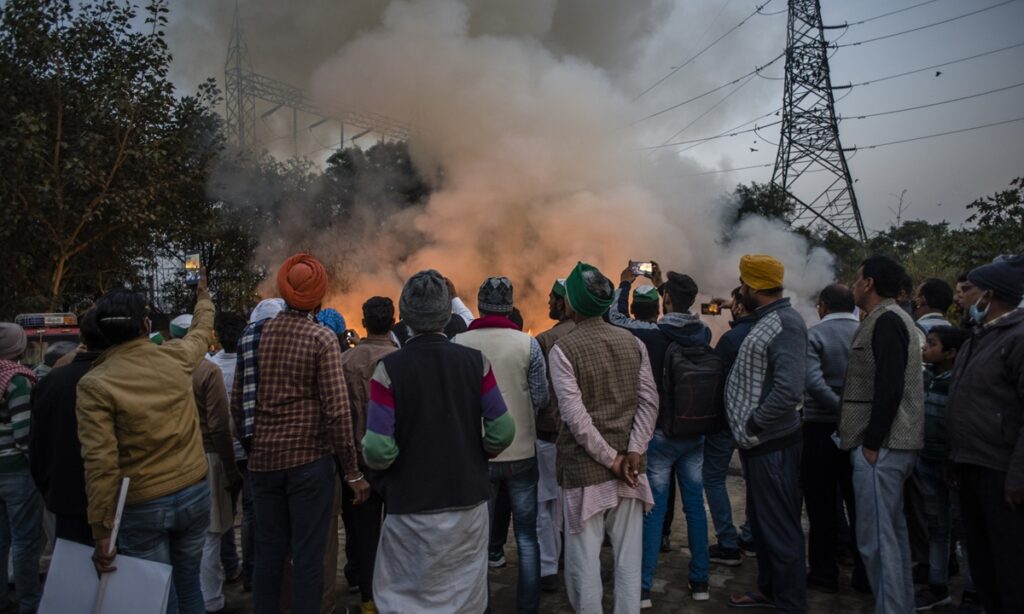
192 265
643 269
710 309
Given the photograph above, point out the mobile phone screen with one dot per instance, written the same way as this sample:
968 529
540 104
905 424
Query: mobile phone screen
710 309
192 265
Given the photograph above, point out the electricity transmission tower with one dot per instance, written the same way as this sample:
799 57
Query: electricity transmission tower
243 87
811 162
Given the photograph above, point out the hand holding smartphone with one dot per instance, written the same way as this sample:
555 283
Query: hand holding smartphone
710 309
644 269
192 269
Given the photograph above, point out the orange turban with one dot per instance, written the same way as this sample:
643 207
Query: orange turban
302 282
761 272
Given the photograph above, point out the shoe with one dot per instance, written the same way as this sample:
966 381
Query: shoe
931 598
549 584
699 591
750 599
645 599
725 556
969 604
368 607
233 576
496 560
823 586
747 547
666 545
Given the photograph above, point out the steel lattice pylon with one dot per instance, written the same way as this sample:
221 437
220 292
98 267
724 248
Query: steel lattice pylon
243 87
811 162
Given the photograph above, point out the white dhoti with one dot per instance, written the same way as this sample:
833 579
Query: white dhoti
549 509
433 562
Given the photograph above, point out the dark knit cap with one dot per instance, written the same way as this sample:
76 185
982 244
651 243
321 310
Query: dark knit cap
1004 276
425 305
495 295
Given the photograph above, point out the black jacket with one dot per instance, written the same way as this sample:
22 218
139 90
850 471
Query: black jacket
985 410
55 454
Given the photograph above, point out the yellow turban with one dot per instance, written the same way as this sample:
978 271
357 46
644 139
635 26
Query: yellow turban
761 272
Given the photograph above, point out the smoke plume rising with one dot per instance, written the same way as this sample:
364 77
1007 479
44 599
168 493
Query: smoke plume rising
526 112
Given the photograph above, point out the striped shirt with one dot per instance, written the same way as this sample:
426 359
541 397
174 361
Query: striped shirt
15 416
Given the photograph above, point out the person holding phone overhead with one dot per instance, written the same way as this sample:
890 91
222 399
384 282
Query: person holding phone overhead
137 418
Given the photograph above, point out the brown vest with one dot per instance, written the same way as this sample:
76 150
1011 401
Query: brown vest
606 362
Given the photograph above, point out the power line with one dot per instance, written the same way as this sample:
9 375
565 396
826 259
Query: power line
941 102
862 21
709 110
701 52
712 91
927 68
938 134
924 27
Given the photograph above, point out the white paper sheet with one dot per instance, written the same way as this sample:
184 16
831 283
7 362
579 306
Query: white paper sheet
137 587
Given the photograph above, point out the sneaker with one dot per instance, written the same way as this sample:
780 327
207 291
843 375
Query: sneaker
666 545
724 556
496 560
747 547
549 584
969 604
931 598
645 599
699 591
368 607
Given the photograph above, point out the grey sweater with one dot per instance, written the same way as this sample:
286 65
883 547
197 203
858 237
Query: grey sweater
766 385
828 350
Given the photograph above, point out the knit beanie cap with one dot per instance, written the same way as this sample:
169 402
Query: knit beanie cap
495 295
425 305
1004 276
13 340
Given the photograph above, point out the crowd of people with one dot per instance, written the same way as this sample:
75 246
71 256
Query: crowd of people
899 432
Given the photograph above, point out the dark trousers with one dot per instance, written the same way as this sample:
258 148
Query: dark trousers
995 534
819 478
917 520
362 533
293 511
74 528
773 506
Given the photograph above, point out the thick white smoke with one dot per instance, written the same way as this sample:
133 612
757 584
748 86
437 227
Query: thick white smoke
540 166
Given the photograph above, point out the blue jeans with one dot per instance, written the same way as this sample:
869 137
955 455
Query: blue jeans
21 530
718 448
293 512
687 457
171 530
519 478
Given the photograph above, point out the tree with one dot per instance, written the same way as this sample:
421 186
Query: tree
998 224
96 149
765 199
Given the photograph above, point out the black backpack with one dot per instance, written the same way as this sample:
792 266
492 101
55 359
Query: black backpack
692 391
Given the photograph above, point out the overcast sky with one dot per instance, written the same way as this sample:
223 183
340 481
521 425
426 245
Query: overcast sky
637 43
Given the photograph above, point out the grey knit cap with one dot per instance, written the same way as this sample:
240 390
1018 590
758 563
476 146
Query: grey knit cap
12 341
425 306
495 295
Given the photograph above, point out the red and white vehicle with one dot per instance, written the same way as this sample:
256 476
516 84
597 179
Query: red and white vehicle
45 329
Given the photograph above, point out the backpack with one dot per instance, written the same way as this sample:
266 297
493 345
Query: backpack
693 391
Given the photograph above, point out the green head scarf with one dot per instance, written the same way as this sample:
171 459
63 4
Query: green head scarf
559 288
646 294
581 300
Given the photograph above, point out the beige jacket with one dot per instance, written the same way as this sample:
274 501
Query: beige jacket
137 418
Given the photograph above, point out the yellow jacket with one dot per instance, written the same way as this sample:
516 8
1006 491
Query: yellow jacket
137 418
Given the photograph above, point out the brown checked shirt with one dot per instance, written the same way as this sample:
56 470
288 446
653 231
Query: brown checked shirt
302 407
